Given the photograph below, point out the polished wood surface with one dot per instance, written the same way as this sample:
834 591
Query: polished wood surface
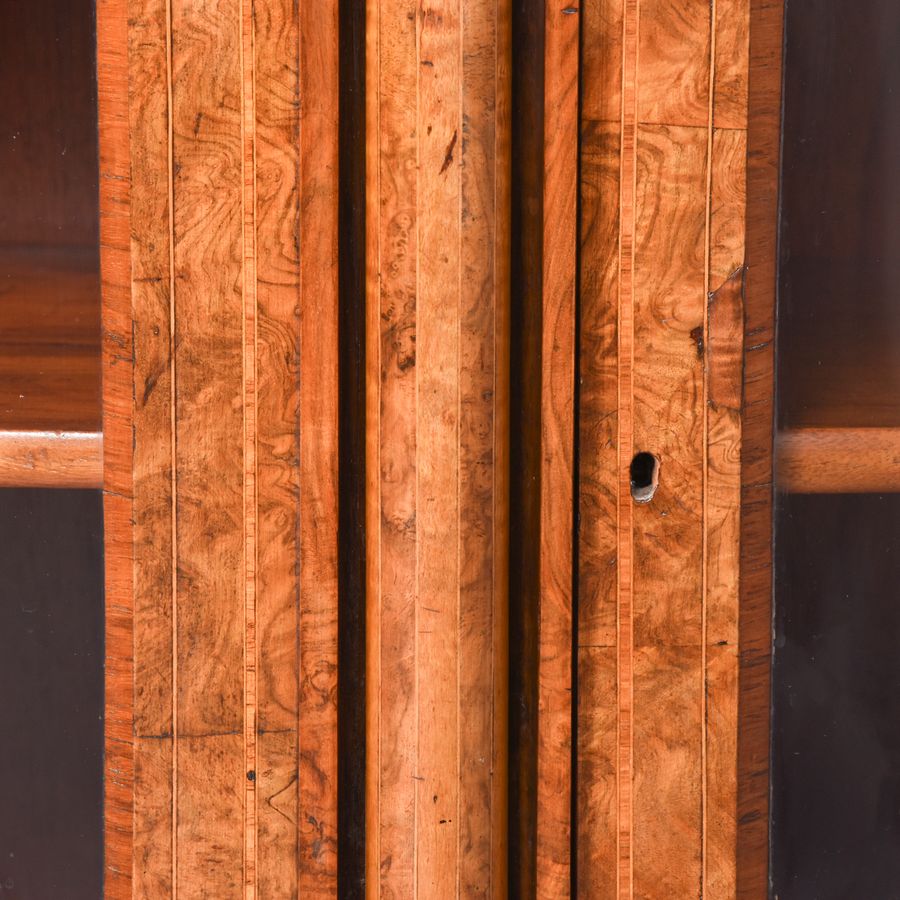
664 119
72 459
437 332
635 681
49 339
838 461
598 464
116 362
231 288
555 581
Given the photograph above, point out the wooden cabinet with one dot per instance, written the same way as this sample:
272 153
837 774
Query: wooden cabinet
494 414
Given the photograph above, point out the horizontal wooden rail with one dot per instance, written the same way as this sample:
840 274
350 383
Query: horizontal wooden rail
51 459
838 460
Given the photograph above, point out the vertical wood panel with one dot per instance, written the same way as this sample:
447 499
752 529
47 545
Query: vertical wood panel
668 569
234 304
437 294
392 250
624 509
598 448
484 456
277 132
250 439
116 348
151 297
669 312
437 464
317 812
209 447
723 504
555 614
235 580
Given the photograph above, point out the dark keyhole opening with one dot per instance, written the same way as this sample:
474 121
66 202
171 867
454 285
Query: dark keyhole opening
644 477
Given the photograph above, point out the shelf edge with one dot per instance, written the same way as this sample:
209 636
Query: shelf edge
838 461
51 459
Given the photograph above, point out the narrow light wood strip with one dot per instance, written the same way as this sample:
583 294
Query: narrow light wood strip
64 459
172 486
838 460
248 779
393 285
624 507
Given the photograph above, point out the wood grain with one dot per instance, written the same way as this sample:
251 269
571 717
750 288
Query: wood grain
838 460
318 635
152 276
233 302
624 883
437 133
763 142
601 142
116 361
669 306
72 459
660 363
555 615
724 401
276 127
209 548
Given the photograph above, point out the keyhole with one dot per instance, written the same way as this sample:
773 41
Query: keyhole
644 477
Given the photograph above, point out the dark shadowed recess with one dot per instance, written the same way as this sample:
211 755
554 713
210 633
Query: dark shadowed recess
51 694
352 453
525 437
839 272
836 677
836 698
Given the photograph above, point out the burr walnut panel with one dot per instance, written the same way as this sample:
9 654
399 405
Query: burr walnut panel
219 176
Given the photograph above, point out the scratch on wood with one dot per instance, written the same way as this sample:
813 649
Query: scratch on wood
448 156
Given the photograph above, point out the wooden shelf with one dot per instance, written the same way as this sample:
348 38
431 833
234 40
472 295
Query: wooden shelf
57 459
838 460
